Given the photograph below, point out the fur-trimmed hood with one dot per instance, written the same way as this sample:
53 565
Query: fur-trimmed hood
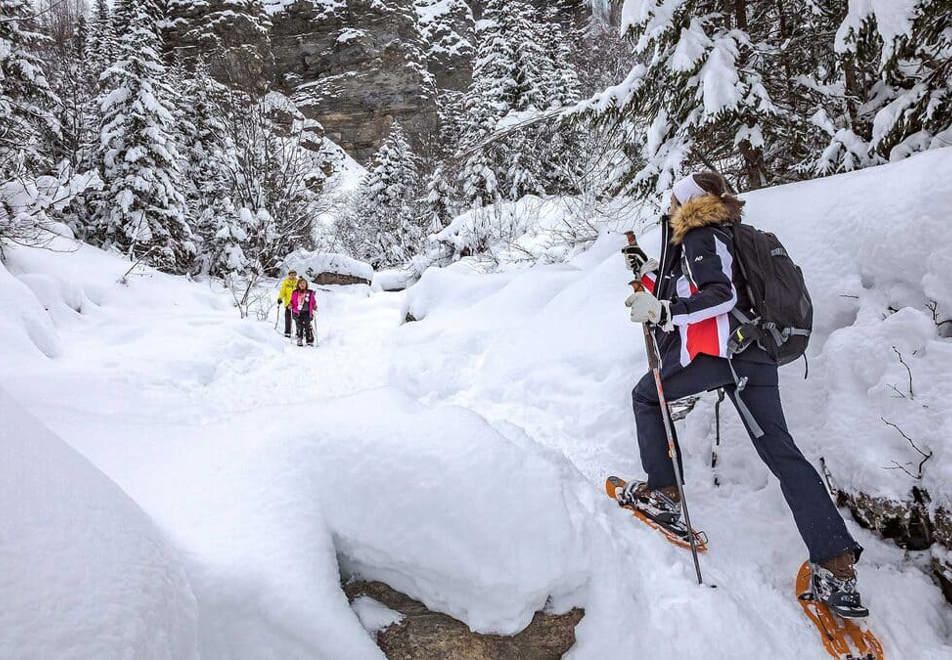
698 212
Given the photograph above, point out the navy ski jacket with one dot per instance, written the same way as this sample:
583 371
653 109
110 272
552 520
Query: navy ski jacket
700 277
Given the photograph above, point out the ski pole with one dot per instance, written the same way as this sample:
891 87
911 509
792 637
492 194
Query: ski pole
654 364
277 318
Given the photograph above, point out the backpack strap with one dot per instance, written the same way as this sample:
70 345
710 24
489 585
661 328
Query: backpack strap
747 333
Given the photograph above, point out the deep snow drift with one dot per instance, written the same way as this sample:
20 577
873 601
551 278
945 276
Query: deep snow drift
83 571
461 458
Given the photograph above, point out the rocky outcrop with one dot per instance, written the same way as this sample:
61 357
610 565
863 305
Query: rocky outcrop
355 68
232 36
425 635
913 524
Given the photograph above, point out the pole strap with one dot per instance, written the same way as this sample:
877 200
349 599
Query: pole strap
742 408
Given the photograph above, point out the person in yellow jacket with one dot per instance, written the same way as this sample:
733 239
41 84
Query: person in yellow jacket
284 298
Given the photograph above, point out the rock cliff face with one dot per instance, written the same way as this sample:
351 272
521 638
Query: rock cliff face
354 66
232 36
449 32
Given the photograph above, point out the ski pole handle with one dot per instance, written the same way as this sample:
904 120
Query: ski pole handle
654 362
633 243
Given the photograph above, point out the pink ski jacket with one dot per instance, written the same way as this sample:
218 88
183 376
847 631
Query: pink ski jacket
298 298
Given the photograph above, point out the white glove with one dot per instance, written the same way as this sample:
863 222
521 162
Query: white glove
648 267
645 308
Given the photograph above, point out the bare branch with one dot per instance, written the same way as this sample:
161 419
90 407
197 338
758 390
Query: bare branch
925 456
908 371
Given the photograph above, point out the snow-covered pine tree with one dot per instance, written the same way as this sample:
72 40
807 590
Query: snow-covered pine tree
560 39
27 121
698 89
32 186
142 211
390 199
439 200
510 76
558 142
26 98
101 42
206 160
885 91
72 77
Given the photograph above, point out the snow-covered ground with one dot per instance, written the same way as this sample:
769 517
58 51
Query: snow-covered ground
228 477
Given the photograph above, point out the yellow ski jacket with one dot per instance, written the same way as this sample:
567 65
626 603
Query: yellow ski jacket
287 288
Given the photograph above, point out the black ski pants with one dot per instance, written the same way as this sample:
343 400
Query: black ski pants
288 315
304 328
820 524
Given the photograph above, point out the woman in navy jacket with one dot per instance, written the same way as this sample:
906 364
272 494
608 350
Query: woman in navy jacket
688 298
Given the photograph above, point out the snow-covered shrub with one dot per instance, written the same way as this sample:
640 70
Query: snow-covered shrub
533 229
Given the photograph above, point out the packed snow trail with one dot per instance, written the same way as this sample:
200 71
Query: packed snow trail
460 459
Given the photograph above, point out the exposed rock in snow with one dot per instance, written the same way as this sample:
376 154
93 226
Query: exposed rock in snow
417 633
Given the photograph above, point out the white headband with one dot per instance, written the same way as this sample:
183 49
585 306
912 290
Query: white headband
687 189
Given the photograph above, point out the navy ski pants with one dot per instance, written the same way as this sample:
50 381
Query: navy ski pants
820 524
304 328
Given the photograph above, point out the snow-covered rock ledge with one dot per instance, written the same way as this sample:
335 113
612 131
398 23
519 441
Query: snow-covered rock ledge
329 268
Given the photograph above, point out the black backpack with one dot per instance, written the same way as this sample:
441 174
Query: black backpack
782 311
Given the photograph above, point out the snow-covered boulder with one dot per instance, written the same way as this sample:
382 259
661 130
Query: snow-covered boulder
84 573
394 279
329 268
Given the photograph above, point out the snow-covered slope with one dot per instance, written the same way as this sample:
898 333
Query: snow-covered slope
460 458
876 249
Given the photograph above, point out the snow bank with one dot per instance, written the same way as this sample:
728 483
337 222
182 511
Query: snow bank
394 279
25 328
312 264
876 250
83 571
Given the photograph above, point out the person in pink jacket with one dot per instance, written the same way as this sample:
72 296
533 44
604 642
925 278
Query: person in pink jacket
303 308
